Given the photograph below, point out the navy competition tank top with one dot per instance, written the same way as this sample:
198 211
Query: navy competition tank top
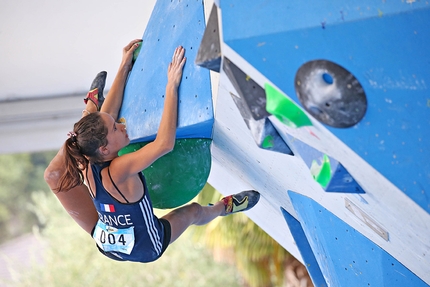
126 231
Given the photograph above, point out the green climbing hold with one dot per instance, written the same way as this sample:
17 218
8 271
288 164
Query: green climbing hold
136 52
267 142
285 109
179 176
322 174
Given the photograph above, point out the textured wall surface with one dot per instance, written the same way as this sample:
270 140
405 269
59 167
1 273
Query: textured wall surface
350 87
172 23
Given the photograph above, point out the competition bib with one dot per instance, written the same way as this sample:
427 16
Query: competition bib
109 238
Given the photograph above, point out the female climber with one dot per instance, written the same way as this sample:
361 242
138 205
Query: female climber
126 228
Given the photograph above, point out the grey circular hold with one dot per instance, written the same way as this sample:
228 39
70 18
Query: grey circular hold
330 93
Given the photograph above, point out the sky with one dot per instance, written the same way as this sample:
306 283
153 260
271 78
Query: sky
56 47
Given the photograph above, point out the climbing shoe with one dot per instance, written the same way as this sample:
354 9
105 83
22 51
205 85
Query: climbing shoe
241 201
95 94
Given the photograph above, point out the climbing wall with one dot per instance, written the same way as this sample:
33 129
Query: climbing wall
323 107
177 177
169 26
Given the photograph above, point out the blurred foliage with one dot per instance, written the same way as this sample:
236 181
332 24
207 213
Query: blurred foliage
238 240
20 174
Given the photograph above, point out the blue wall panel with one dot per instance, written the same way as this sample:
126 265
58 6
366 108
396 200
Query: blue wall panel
384 45
280 15
305 249
172 23
344 255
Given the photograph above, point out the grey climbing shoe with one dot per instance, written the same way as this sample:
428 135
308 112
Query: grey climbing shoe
96 90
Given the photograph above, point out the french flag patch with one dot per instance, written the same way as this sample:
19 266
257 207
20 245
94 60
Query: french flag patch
107 207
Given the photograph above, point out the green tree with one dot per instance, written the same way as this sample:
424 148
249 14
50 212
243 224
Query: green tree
20 175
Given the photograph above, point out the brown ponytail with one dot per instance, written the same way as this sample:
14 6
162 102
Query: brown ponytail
81 148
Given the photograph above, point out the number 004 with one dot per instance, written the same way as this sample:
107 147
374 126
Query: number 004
111 238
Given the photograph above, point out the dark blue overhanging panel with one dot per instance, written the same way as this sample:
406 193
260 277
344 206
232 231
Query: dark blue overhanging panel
344 255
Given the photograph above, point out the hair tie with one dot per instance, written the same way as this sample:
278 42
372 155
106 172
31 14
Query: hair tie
72 135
